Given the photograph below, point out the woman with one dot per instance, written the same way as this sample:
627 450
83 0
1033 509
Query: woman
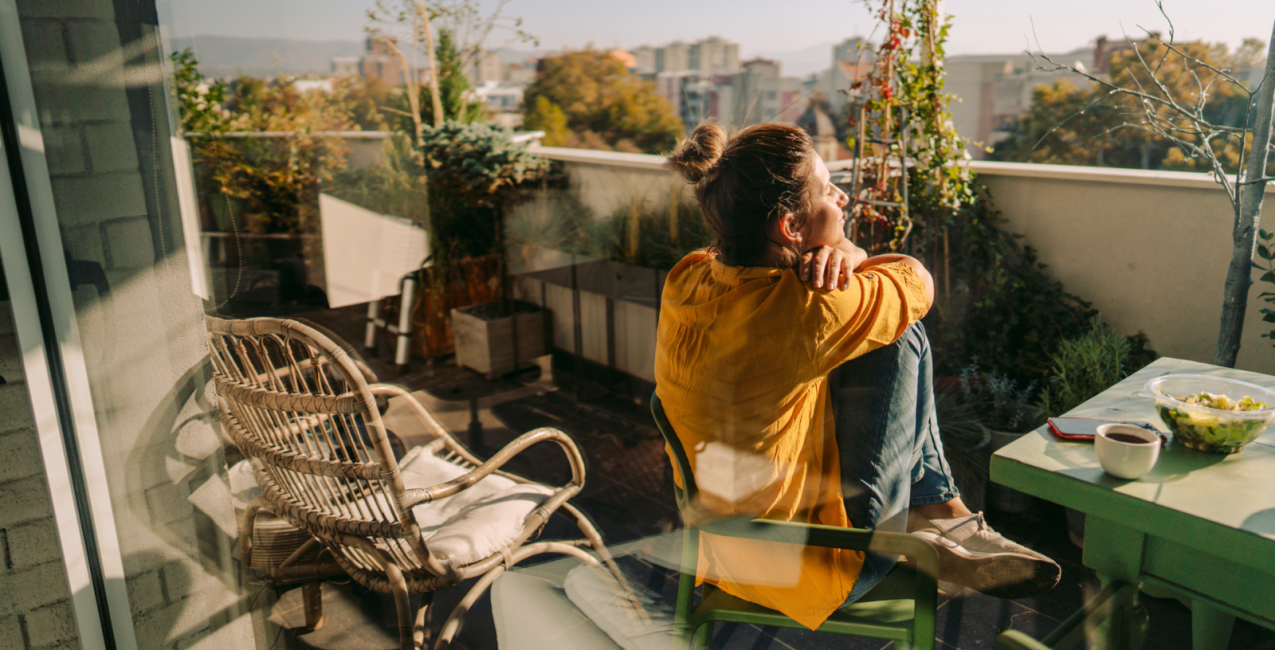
796 373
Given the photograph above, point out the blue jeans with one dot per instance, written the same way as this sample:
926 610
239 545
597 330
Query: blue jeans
888 439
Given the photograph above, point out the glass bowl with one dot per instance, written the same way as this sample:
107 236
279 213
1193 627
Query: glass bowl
1220 431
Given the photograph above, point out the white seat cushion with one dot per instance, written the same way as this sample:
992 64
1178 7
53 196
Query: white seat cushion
533 613
473 523
596 593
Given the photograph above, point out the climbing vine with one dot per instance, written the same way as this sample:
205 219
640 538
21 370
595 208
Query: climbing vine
905 88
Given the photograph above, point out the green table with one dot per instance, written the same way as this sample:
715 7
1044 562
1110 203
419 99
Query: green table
1199 527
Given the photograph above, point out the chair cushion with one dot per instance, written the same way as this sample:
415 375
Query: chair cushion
533 613
596 593
474 523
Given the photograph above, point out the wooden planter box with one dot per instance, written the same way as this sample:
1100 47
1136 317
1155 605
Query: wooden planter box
501 345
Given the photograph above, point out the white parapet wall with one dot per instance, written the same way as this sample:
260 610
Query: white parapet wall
1149 249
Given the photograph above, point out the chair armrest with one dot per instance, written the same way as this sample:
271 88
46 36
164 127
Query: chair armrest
417 496
857 539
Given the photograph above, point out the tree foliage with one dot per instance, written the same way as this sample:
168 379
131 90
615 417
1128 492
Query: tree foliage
547 116
605 105
364 100
1070 125
198 102
1188 117
272 180
459 104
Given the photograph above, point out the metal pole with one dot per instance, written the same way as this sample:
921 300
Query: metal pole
373 314
402 353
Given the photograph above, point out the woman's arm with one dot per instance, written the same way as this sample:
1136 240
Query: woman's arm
920 269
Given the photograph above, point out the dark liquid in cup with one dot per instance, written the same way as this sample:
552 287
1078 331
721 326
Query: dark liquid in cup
1128 437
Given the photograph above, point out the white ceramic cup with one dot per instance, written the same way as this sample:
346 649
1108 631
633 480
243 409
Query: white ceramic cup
1125 458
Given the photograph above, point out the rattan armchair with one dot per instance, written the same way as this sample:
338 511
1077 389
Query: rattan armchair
294 401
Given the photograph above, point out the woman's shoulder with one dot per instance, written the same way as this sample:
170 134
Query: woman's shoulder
698 257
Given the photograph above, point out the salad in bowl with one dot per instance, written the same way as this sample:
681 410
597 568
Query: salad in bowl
1213 414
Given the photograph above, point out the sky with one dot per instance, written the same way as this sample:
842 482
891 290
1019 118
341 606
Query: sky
769 28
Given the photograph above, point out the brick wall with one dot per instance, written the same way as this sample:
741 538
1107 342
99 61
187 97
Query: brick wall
35 610
106 143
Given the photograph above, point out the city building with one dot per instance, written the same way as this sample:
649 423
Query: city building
761 94
644 60
500 96
852 59
690 93
992 90
625 57
380 62
346 66
521 73
711 56
715 56
674 57
486 66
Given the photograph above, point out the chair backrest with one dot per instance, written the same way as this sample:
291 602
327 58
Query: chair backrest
687 493
294 401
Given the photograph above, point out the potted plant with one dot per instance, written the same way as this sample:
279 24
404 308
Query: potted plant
1004 409
474 172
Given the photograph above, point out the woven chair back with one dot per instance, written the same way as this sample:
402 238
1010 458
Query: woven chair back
297 403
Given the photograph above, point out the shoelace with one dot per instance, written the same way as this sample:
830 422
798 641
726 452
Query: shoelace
980 526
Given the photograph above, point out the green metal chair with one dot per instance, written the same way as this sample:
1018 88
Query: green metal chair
901 607
1113 619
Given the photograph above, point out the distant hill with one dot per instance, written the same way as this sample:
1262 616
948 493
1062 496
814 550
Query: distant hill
799 63
508 55
230 56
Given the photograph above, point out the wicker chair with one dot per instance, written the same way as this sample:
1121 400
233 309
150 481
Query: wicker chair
293 400
284 556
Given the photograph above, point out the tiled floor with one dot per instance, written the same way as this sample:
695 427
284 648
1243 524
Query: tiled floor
629 496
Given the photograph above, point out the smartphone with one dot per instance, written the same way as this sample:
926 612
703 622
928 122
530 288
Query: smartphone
1084 429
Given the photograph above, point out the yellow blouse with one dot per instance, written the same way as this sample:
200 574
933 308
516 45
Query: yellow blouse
741 366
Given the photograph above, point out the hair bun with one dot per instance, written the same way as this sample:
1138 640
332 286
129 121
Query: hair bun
698 154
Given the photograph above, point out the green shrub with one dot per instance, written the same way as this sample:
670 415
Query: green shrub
998 401
473 171
1002 307
1086 366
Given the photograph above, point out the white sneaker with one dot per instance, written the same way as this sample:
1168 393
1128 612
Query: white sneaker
974 555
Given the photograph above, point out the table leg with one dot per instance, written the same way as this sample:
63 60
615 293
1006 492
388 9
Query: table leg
1210 627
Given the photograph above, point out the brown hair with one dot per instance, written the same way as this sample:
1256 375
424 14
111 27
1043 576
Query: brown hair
745 182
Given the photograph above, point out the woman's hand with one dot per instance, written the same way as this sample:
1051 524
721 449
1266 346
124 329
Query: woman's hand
827 266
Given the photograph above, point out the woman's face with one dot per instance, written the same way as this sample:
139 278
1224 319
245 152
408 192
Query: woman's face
827 223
